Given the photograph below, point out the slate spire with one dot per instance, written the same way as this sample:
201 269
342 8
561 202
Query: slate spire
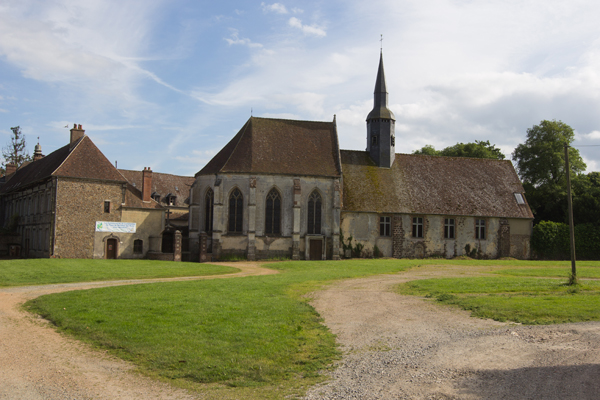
381 141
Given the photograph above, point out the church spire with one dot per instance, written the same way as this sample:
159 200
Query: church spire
381 140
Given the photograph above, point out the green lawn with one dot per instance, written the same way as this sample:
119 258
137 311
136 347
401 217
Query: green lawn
517 299
43 271
582 271
257 337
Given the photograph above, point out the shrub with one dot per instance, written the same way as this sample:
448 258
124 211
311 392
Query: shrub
550 240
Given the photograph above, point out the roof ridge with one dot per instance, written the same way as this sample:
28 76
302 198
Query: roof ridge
292 120
79 141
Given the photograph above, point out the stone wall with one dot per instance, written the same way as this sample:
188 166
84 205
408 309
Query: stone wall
79 204
149 224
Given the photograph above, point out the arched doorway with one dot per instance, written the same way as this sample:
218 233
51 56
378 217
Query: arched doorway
111 248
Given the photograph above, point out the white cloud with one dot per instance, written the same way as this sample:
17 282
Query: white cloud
307 29
594 135
235 39
275 7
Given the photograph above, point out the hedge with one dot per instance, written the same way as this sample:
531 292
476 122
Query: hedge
550 241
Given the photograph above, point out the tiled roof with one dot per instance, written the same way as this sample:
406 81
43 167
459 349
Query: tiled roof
280 146
133 198
163 184
418 184
84 160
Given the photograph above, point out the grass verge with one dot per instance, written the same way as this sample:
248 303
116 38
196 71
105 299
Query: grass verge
517 299
48 271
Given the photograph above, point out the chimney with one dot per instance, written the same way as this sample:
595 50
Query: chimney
10 169
76 133
146 184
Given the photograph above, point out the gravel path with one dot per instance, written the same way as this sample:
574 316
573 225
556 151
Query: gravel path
404 347
395 347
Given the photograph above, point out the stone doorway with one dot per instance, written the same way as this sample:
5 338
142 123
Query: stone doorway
111 249
316 249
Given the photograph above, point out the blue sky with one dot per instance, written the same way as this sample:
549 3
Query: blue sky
165 84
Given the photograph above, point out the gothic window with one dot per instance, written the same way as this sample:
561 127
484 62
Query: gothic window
314 213
449 227
273 213
236 211
138 246
480 229
417 227
209 206
385 226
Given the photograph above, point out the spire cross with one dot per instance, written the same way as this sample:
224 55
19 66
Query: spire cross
381 43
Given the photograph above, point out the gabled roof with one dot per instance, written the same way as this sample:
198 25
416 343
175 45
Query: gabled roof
418 184
280 146
83 160
133 199
163 184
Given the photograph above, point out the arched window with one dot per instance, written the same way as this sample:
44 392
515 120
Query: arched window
138 246
236 211
209 203
273 213
314 213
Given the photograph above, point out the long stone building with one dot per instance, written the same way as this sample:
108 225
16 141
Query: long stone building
284 188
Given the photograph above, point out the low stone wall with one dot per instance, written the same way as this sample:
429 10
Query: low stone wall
161 256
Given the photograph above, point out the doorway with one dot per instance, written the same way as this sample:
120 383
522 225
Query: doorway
316 249
111 248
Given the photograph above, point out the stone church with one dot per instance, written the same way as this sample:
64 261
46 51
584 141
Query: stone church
283 188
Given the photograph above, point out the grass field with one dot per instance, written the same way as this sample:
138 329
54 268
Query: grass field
257 337
43 271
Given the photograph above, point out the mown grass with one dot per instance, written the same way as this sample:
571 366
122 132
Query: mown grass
582 272
518 299
48 271
256 335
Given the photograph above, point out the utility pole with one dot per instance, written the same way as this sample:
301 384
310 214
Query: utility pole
573 279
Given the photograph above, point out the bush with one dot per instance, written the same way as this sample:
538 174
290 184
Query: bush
550 240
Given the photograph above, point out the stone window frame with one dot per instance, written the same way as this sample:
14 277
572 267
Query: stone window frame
209 212
107 206
138 246
238 213
418 227
480 228
449 228
385 226
276 215
316 227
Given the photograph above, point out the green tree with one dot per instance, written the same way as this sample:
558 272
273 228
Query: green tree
14 152
541 159
479 149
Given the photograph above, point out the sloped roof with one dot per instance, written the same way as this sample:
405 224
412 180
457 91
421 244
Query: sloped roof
133 198
83 160
418 184
280 146
163 184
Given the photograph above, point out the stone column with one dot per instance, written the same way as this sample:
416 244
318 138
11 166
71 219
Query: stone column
296 220
397 236
177 246
336 220
252 220
218 221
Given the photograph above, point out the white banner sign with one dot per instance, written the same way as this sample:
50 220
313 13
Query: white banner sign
123 227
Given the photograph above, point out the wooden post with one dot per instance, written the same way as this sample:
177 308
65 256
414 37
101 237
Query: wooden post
571 223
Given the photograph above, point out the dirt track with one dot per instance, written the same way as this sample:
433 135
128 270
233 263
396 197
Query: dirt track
395 347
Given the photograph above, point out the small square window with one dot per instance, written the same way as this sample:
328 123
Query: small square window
417 227
480 229
449 228
107 206
385 226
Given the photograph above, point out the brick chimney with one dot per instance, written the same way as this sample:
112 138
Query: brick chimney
10 169
76 133
146 184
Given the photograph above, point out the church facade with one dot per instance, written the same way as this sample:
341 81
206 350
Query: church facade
283 188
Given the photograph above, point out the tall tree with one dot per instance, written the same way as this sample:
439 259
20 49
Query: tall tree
479 149
14 152
541 159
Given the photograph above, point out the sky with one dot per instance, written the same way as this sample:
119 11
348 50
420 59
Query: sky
167 83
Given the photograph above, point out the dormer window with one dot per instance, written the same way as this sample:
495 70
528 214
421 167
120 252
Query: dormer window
171 198
156 197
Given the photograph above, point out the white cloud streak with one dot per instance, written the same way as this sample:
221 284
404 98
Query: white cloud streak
313 30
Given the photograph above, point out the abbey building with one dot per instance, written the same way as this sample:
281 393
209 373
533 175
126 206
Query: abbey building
283 188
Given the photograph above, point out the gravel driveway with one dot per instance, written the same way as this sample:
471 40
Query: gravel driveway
395 347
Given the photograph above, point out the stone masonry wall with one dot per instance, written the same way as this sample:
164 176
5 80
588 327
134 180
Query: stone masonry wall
79 204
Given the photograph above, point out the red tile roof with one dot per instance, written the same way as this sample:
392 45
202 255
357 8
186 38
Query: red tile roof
418 184
163 184
280 146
